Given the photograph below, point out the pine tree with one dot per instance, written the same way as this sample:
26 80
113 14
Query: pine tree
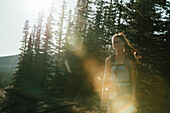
61 47
82 19
110 24
22 59
136 14
25 37
37 44
47 60
60 38
110 18
38 35
86 16
21 96
69 31
165 33
99 24
94 31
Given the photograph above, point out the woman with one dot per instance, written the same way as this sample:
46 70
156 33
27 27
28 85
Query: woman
119 81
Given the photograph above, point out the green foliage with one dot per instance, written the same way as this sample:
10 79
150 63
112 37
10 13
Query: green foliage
153 93
5 78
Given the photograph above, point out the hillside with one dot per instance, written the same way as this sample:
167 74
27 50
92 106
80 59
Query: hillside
8 62
7 69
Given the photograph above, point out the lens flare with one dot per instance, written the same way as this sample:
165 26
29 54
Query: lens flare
94 72
128 108
123 104
77 47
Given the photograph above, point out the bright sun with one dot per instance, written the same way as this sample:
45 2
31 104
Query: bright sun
38 5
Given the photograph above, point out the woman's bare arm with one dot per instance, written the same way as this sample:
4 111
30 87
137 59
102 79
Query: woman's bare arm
106 77
133 75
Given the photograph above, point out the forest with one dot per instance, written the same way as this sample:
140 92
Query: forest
61 63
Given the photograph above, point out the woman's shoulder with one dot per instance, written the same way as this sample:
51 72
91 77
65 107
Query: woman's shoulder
108 59
132 63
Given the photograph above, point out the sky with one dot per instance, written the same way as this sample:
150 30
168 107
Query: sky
13 14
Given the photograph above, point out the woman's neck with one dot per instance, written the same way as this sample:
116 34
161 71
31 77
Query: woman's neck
120 53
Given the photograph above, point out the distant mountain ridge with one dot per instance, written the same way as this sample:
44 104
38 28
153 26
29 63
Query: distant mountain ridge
8 62
7 69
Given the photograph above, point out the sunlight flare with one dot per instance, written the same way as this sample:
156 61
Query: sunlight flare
38 5
123 104
77 46
94 70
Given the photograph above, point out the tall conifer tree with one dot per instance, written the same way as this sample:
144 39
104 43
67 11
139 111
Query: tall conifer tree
21 96
60 34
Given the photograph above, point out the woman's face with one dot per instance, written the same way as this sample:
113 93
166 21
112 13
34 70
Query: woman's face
117 44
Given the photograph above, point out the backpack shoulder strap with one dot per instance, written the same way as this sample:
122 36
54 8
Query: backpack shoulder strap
112 61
